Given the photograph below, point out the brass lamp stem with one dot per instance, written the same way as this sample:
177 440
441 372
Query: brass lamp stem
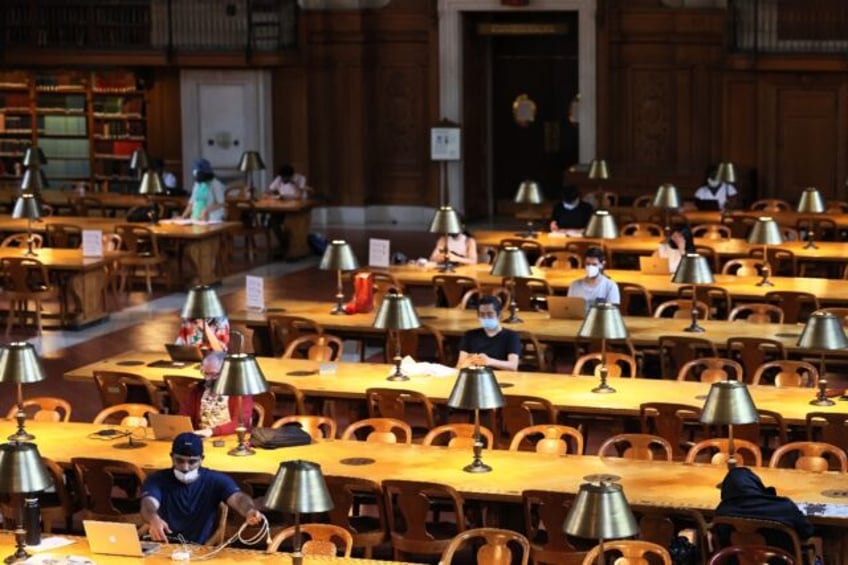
242 448
297 544
398 374
513 305
602 560
20 538
766 269
821 398
694 327
811 244
339 308
29 252
477 466
20 417
604 371
447 267
731 448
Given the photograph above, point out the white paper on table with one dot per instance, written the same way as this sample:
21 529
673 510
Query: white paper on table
178 221
254 288
92 243
51 542
378 252
411 368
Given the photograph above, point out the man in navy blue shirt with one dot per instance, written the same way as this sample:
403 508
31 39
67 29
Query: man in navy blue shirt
184 500
490 345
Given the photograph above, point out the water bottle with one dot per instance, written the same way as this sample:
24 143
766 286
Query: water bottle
32 521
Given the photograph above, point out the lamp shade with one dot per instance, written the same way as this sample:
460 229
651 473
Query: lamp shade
250 161
338 257
666 197
34 180
811 201
528 193
202 302
601 225
299 488
823 331
598 170
26 206
33 157
726 172
21 469
396 312
511 262
765 232
600 512
729 402
19 363
603 321
240 376
140 160
476 387
151 183
693 269
445 220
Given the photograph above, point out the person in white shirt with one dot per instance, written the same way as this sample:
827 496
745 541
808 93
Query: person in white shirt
715 189
461 248
595 286
287 184
207 195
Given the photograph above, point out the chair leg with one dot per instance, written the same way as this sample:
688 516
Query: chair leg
148 279
38 315
9 317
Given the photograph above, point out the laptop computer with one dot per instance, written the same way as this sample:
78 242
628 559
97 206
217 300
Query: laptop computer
707 205
184 353
566 307
169 426
116 538
654 265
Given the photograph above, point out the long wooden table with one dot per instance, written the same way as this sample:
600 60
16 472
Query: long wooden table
568 393
296 219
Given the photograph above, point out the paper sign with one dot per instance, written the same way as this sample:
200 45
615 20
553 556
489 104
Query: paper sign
444 144
255 292
378 252
92 243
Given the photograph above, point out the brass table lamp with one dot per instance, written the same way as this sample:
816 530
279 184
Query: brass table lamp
34 157
476 389
202 303
250 161
338 257
765 232
298 488
19 364
729 403
27 206
240 376
726 172
396 313
667 198
446 221
823 332
693 269
811 202
34 180
140 161
603 322
599 172
151 184
511 262
601 225
21 472
601 512
530 194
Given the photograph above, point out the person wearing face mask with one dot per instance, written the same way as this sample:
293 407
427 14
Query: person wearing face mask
461 248
206 202
214 414
183 500
491 345
572 214
679 243
595 286
715 190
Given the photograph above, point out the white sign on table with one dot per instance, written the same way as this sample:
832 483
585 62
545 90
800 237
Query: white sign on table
445 144
255 292
92 243
378 252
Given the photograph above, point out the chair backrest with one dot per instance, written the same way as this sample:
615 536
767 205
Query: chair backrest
287 393
382 430
711 231
752 555
408 505
771 205
118 387
757 313
560 260
423 343
618 365
495 549
521 411
532 249
23 275
285 329
717 449
322 539
786 373
315 347
179 387
636 300
534 355
744 267
138 240
666 420
830 427
529 291
768 419
347 492
20 240
751 352
643 201
553 439
632 551
681 309
65 236
98 477
676 351
636 446
44 409
812 456
716 297
392 402
711 370
458 435
753 531
450 289
796 305
663 526
544 515
641 229
318 427
129 414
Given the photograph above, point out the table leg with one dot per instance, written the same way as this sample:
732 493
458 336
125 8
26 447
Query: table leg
297 224
85 292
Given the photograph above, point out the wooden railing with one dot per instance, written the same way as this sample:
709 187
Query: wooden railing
789 26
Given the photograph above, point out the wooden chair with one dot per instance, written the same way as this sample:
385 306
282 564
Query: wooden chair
753 531
617 365
19 240
782 262
796 306
635 446
751 352
284 329
288 399
318 427
393 403
46 409
408 506
632 551
783 373
88 206
368 529
668 421
830 427
315 347
322 539
636 300
544 515
747 453
551 439
425 343
458 435
496 549
676 351
580 247
143 254
711 370
382 430
249 228
744 267
62 503
643 201
711 231
23 280
118 387
710 253
522 411
814 456
535 355
560 260
64 236
641 229
530 292
681 309
101 482
836 207
756 313
752 555
841 313
127 415
532 248
771 205
179 387
663 525
716 297
450 289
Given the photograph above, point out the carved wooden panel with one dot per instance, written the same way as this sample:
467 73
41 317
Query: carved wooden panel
651 108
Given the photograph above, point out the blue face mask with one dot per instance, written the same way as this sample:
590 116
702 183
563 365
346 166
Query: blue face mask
489 323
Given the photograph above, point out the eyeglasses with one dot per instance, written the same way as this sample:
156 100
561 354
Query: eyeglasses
180 460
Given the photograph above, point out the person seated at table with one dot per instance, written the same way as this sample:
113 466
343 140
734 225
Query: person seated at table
206 202
183 500
211 333
214 414
716 190
287 184
595 286
743 495
461 248
679 242
572 214
491 345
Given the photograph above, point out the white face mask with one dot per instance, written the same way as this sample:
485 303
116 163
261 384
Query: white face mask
570 205
187 477
713 183
592 271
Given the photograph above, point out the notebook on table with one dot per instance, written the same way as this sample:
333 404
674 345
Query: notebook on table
169 426
116 538
566 307
184 353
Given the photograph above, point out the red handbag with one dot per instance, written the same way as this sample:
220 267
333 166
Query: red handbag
363 294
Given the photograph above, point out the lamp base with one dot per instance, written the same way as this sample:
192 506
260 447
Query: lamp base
397 377
513 319
447 267
241 450
130 445
603 388
695 328
822 402
477 466
339 307
765 282
20 542
21 435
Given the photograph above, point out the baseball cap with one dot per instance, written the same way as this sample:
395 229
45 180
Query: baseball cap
187 444
202 166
